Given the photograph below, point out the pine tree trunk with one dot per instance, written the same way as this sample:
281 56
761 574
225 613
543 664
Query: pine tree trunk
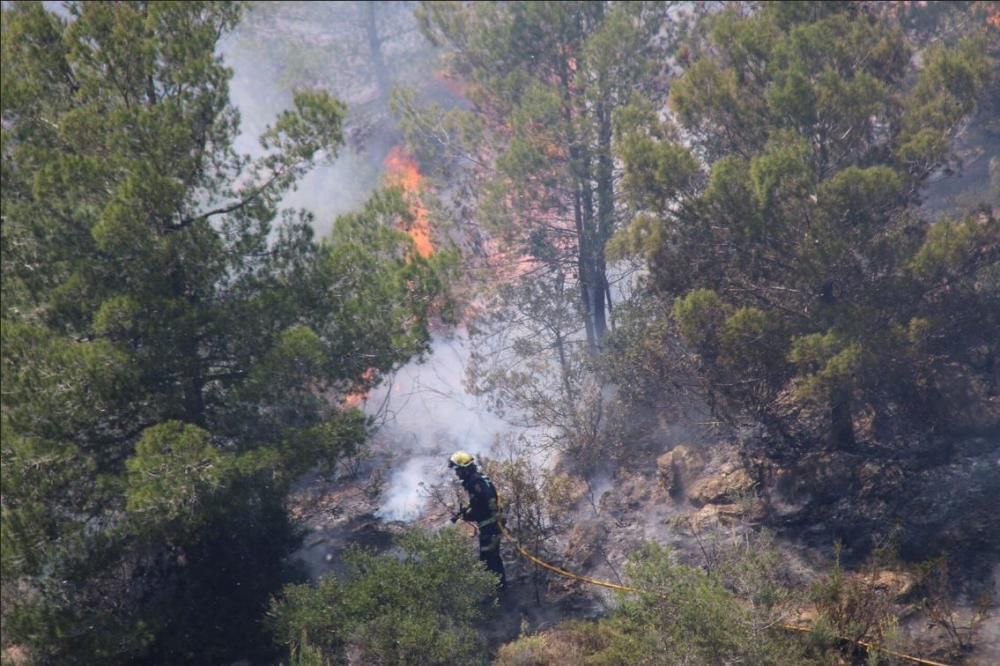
375 53
583 209
581 268
588 249
841 420
605 212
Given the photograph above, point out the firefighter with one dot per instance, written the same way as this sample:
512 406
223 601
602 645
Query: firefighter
482 511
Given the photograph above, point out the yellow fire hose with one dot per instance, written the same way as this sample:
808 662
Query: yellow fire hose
624 588
563 572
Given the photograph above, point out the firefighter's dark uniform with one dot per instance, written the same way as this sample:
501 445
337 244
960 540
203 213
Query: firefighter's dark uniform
484 513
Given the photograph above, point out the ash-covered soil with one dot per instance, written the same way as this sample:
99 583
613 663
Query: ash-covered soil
698 496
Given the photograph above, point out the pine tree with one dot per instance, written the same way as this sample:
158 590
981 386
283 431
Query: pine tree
545 80
781 219
173 344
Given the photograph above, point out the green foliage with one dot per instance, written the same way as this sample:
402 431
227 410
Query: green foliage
699 316
782 172
419 606
640 355
796 259
951 245
568 642
307 655
384 292
655 169
750 343
851 605
56 387
173 345
825 365
684 615
174 471
860 195
944 95
36 471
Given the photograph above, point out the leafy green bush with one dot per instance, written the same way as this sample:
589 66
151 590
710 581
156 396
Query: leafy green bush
417 605
685 615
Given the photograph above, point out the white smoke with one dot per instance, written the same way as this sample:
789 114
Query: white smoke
424 410
331 188
428 415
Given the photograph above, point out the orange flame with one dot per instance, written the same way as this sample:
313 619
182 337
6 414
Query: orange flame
402 170
454 85
355 398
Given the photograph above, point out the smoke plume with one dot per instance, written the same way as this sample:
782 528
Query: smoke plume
428 415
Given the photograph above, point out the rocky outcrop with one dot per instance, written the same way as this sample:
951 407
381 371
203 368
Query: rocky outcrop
629 493
896 584
748 510
677 467
726 487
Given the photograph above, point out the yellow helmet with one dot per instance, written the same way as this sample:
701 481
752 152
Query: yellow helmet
460 459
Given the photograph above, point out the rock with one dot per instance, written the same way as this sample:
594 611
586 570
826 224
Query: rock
678 466
749 510
629 493
805 616
897 584
723 488
704 517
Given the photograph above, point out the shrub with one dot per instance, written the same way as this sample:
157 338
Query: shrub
416 605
